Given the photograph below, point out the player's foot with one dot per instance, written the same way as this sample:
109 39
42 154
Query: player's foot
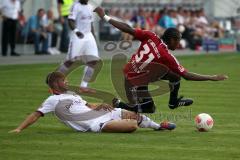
181 102
167 126
115 102
86 90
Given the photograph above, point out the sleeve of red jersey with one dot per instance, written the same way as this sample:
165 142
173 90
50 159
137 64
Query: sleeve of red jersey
175 66
142 34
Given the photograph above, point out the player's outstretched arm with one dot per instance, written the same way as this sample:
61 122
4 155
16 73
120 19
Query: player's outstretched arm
32 118
198 77
120 25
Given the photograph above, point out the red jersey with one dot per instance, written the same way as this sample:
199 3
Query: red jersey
152 50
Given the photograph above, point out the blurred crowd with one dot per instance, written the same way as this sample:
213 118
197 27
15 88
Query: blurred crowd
45 31
193 24
41 29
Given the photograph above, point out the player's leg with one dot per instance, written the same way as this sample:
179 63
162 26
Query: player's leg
128 123
174 84
136 87
91 71
145 122
92 61
139 99
120 126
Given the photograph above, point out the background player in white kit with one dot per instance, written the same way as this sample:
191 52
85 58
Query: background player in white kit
76 113
82 48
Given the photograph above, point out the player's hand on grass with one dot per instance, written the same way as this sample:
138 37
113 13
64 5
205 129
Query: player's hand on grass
105 107
15 131
79 34
100 11
219 77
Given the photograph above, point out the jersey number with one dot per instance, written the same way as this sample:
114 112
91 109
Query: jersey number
145 51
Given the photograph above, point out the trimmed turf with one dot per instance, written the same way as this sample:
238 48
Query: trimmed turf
22 90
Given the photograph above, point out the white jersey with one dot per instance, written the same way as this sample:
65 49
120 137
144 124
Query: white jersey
75 108
83 16
10 9
84 49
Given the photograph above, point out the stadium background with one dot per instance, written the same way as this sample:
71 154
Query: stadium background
227 13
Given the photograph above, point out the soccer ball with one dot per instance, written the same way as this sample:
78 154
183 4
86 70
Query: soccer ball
203 122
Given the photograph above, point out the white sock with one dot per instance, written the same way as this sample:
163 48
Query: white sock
148 123
84 84
63 69
88 72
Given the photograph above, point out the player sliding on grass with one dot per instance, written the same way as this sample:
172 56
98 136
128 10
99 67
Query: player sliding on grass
153 62
76 113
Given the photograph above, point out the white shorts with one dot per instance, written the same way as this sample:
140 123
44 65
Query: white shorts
100 122
84 49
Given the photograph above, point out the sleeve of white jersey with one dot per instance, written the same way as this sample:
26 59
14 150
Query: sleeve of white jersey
73 12
47 106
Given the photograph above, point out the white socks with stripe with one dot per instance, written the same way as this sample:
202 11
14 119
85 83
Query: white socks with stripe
148 123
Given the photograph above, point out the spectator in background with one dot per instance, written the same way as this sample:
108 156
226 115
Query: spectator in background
20 27
139 19
64 7
52 33
194 31
127 19
201 18
10 10
167 20
149 21
38 32
114 32
157 15
180 16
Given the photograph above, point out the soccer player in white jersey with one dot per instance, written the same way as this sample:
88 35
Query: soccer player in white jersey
81 116
83 47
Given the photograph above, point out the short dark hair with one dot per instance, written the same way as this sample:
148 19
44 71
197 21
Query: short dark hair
40 10
53 77
171 33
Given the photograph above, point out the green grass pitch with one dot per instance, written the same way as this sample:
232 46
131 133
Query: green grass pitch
22 90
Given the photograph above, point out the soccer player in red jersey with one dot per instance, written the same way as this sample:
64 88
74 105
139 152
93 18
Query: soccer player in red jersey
153 62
